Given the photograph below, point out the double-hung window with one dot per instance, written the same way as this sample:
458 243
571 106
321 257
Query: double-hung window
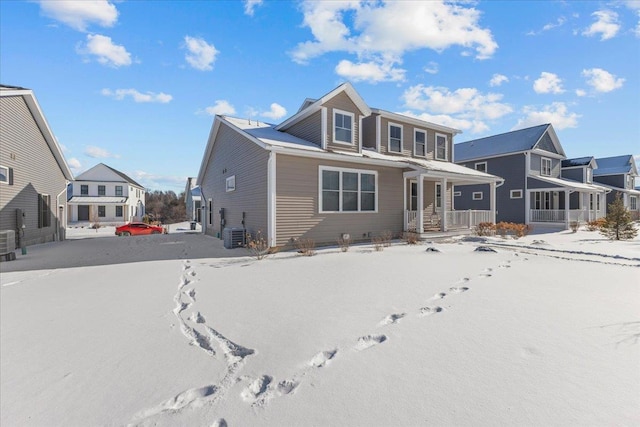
4 174
84 190
118 211
102 211
420 143
395 138
119 190
102 190
44 210
441 147
633 203
482 166
343 127
347 190
545 166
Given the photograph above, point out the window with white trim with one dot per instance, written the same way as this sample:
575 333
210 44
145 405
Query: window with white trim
481 166
119 191
545 166
477 195
347 190
633 203
419 143
102 190
102 211
590 201
589 175
44 210
118 211
343 127
441 146
542 200
230 184
516 194
4 174
395 138
84 190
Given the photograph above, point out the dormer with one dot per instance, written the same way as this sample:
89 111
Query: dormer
579 169
333 122
397 134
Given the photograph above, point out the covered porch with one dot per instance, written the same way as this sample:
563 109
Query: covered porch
429 206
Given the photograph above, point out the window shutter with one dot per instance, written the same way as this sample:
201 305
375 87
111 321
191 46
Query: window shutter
10 176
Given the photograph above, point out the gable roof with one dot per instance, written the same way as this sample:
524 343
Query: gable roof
85 176
506 143
616 165
41 122
415 121
579 161
309 107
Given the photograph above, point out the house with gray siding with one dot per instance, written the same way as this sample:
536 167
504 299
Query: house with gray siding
336 167
192 200
105 195
537 189
619 174
33 171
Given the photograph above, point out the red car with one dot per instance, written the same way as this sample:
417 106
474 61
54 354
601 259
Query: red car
138 228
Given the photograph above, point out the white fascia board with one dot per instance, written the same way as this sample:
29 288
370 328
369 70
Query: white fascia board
554 140
495 156
454 178
337 157
414 121
548 154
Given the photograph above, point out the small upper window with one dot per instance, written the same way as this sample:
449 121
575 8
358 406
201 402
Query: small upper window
482 166
102 190
441 147
343 127
516 194
118 190
84 190
231 183
477 195
395 138
545 166
420 143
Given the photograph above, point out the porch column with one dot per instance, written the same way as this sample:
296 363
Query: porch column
404 204
443 220
420 213
492 201
566 209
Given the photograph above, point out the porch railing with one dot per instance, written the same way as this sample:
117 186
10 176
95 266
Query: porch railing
454 219
559 215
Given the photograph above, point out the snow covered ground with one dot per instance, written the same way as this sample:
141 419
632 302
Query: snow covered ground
544 331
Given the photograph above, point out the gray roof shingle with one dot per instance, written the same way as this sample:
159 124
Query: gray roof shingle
504 143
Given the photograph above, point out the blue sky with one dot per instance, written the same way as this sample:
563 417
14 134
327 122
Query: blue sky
135 84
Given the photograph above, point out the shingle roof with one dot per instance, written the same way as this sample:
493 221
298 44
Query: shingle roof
579 161
504 143
125 177
614 165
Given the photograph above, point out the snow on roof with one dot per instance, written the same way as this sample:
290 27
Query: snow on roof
510 142
97 199
561 182
579 161
614 165
267 134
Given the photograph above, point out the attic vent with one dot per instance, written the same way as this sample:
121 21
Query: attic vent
233 237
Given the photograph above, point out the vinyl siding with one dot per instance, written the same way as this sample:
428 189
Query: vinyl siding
232 155
297 203
344 103
408 135
429 196
546 144
575 174
309 129
536 165
612 180
369 131
35 171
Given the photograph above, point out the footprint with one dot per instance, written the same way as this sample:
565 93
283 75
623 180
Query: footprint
257 388
286 387
193 396
439 295
487 270
197 318
191 293
428 311
392 318
484 275
322 358
458 290
369 341
191 273
504 266
221 422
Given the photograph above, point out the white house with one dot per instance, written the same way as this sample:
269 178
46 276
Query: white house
105 195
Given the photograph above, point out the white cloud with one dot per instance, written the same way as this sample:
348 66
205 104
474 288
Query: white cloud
550 26
581 92
556 113
156 181
498 79
431 68
474 126
74 164
79 14
201 55
601 80
105 50
250 6
548 83
606 25
120 94
379 33
221 107
372 72
465 108
99 153
276 112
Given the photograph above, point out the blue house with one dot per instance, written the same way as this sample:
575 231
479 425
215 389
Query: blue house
619 174
536 190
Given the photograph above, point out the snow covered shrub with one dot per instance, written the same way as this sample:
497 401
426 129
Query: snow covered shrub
485 229
257 245
378 243
596 224
344 243
386 237
512 229
410 238
618 224
306 247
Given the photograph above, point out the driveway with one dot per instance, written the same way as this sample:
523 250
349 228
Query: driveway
110 249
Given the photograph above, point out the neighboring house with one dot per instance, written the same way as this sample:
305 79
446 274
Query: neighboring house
192 200
33 172
619 174
103 194
536 190
335 167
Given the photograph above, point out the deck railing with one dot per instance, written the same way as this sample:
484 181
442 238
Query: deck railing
559 215
454 219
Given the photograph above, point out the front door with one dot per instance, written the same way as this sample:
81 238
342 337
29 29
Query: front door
83 212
